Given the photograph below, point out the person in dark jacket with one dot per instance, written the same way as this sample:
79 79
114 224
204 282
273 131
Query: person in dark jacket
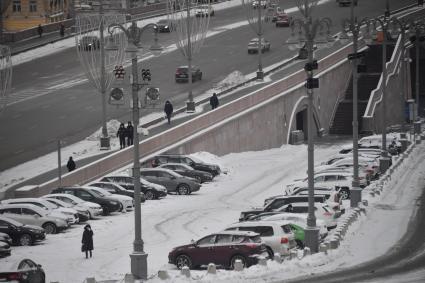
168 109
130 133
87 241
71 164
40 30
214 101
122 132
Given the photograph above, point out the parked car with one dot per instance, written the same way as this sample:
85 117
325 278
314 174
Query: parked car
126 202
259 3
183 76
22 271
204 11
4 250
274 204
30 214
253 45
114 188
70 214
277 236
187 171
150 190
367 166
83 214
283 20
84 193
192 161
94 209
334 196
222 248
21 234
342 3
174 182
88 43
164 25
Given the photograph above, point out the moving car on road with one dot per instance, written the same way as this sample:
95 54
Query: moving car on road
204 11
182 74
175 183
88 43
23 235
164 25
283 20
222 248
187 171
253 45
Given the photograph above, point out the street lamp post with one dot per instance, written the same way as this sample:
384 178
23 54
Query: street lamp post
418 30
308 29
5 74
133 33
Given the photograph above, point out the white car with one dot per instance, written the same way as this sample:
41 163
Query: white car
276 235
204 11
30 214
126 201
298 219
375 141
71 214
94 209
83 214
371 168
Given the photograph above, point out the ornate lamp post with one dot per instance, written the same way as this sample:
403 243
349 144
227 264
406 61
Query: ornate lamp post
308 29
5 74
90 42
190 20
256 18
139 265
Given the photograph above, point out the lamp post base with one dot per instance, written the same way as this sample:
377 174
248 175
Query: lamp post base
311 236
384 164
355 196
190 106
404 144
139 265
105 143
260 75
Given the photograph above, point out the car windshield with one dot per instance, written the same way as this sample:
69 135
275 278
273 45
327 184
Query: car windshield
163 22
197 160
102 192
13 222
95 193
49 205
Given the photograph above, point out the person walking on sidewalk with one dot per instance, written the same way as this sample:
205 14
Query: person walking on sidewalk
87 241
122 133
40 30
214 101
168 109
71 164
130 133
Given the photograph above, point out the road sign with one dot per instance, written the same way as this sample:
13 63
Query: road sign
116 96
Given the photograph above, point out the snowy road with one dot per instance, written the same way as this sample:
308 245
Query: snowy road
174 220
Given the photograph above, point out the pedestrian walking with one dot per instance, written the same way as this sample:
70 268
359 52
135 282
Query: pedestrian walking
168 109
121 133
40 30
71 164
214 101
130 133
87 241
62 30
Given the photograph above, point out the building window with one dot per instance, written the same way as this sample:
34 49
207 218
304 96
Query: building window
16 6
33 6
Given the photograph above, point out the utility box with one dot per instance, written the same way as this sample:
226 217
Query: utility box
297 137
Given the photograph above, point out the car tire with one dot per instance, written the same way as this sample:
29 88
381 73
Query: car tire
150 195
183 189
270 253
50 228
183 260
121 209
105 210
25 240
236 257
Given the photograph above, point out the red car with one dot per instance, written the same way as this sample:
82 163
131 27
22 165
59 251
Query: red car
283 20
222 248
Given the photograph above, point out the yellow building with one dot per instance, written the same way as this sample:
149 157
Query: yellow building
24 14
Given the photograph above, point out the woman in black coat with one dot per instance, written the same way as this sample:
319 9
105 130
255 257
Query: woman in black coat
87 240
168 109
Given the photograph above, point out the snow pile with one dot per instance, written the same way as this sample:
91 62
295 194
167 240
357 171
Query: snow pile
233 79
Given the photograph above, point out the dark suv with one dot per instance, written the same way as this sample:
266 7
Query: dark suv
150 191
108 205
182 74
189 160
222 248
21 234
277 203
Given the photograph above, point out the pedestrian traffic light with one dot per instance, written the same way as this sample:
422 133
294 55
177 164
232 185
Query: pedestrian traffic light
146 74
312 83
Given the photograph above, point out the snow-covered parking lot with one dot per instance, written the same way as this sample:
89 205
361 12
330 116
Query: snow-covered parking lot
175 220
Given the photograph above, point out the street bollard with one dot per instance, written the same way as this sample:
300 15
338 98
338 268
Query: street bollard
323 248
306 251
334 243
185 271
238 265
278 258
262 261
163 274
212 269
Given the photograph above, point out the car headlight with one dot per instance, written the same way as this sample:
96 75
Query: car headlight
166 27
113 202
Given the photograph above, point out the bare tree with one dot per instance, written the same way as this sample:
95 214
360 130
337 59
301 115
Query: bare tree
4 4
5 75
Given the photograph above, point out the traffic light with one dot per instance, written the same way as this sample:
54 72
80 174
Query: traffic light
146 74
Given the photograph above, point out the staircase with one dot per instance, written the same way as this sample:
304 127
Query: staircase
342 121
